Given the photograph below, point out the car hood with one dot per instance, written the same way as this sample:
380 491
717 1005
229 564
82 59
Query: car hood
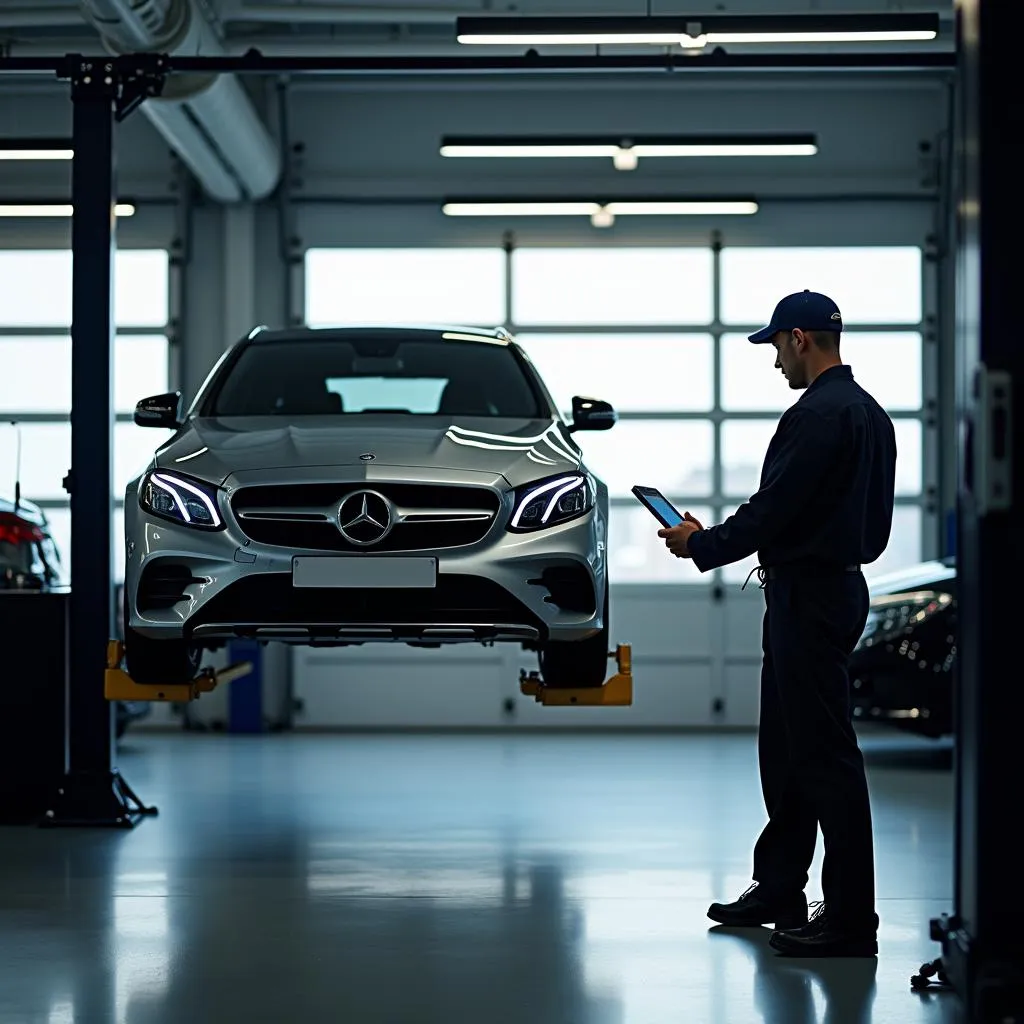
517 449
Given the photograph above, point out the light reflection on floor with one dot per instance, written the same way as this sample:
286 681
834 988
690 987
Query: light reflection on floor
449 878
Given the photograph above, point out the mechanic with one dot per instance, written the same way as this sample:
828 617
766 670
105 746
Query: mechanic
823 508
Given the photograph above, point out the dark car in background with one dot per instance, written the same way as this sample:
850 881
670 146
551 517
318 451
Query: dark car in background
30 562
29 559
902 668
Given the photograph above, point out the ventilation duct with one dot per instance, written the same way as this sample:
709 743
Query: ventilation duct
208 120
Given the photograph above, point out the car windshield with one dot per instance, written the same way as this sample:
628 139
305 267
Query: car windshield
376 374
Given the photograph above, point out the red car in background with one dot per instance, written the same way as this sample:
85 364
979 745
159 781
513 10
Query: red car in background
31 562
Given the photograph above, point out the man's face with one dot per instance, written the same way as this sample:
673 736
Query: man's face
788 359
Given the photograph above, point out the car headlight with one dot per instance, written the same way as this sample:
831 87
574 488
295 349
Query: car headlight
549 502
895 615
186 501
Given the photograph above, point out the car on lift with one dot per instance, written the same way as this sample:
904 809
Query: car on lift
902 668
371 484
30 562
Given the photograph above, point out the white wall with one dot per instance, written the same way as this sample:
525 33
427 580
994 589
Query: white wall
369 173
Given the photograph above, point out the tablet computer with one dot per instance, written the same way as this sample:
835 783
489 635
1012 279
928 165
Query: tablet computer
658 505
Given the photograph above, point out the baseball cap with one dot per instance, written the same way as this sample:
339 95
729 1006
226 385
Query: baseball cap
810 311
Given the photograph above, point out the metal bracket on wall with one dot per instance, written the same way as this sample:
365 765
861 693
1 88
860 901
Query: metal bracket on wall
127 80
993 433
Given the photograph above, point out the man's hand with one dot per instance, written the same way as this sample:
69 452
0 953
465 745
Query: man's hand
677 537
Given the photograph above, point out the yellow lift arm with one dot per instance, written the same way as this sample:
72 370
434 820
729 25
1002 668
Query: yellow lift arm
118 685
615 691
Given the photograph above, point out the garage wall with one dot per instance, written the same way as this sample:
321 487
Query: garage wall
365 172
696 647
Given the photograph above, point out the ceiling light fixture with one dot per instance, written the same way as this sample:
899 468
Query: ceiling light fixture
36 149
54 210
696 32
624 152
601 214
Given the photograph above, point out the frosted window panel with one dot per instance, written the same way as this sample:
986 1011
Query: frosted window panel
60 529
888 366
673 455
438 286
744 445
909 435
141 288
635 372
141 366
636 554
903 549
612 286
133 450
750 382
37 372
35 287
45 459
869 284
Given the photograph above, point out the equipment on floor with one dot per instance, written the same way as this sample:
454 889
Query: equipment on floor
118 685
616 691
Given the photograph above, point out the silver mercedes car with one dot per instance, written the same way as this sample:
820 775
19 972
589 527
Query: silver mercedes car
369 484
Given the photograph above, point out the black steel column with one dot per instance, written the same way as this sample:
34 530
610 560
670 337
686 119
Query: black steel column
983 940
93 792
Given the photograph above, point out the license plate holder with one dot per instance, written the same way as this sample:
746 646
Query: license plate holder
352 572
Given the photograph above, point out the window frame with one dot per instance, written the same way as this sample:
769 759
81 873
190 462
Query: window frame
165 330
717 500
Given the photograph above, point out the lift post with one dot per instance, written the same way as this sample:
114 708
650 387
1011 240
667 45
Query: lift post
616 691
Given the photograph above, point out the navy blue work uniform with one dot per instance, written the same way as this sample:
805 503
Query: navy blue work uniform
823 508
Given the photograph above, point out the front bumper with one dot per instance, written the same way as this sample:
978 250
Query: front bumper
492 590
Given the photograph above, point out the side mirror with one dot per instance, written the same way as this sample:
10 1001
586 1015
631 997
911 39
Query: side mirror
592 414
159 411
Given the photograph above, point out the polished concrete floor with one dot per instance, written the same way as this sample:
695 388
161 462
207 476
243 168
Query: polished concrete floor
541 879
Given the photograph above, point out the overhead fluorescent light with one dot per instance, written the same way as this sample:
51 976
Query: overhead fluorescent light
36 149
601 214
695 33
54 210
625 153
36 154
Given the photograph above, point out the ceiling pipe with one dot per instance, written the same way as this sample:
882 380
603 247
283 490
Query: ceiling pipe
207 119
306 14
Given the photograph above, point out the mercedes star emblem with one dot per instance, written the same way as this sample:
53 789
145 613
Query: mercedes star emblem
365 518
367 457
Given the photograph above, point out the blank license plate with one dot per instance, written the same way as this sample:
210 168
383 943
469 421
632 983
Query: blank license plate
319 571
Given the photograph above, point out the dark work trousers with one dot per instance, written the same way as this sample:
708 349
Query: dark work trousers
812 770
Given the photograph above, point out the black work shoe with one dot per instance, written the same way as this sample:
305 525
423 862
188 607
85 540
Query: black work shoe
824 937
755 908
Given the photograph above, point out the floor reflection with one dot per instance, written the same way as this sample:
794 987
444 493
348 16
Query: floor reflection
790 990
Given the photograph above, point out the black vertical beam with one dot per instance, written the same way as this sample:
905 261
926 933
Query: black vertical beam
983 940
92 793
93 193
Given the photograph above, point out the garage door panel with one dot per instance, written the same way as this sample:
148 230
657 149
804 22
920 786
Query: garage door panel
670 622
404 689
742 692
743 618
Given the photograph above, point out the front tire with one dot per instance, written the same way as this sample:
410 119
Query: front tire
159 662
571 664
